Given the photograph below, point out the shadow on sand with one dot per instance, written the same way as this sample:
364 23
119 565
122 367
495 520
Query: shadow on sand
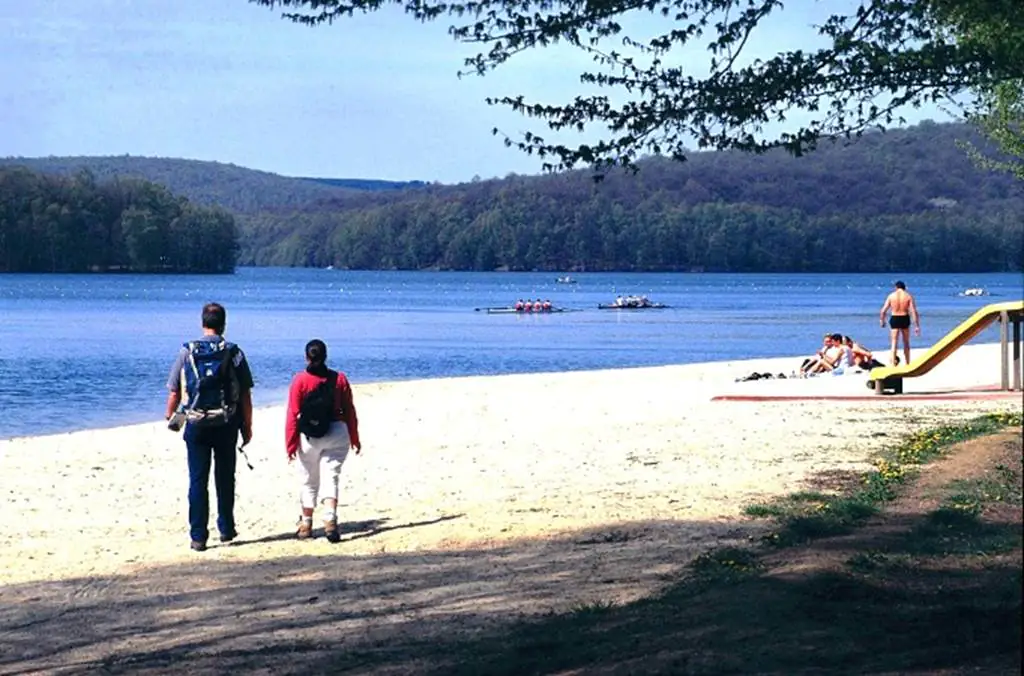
350 530
609 600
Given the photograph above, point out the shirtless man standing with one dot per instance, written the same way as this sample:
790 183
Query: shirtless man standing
903 309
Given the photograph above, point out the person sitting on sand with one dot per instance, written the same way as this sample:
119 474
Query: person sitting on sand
320 457
812 361
847 361
830 358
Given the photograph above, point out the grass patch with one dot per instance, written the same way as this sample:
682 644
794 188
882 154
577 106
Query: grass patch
595 609
955 532
807 515
872 561
1001 486
727 564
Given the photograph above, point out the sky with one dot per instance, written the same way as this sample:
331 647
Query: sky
375 96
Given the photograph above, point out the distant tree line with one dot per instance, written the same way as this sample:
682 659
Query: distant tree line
539 235
74 224
905 200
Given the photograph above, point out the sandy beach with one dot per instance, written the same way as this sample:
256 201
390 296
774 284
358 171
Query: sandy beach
474 500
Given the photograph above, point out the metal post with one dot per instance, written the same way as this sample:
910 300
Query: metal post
1017 321
1004 320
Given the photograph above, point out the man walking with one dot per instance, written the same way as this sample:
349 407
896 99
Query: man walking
903 308
210 385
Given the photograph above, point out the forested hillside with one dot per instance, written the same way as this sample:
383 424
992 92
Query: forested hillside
210 183
903 200
76 224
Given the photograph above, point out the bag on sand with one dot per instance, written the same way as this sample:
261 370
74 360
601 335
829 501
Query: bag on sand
211 384
317 409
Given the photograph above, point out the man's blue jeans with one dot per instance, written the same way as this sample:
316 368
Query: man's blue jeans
206 447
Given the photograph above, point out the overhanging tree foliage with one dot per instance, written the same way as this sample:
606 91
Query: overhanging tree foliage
1001 117
998 109
876 59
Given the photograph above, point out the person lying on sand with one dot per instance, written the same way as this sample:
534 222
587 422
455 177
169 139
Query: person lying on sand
863 358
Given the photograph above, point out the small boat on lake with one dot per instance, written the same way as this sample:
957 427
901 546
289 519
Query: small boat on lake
514 311
974 292
632 303
524 307
566 280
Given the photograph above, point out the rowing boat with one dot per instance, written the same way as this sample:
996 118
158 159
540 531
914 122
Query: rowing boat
648 306
513 311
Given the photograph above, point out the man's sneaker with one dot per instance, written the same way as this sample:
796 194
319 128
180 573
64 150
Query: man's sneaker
198 546
305 530
331 531
228 537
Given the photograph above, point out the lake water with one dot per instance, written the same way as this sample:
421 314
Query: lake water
81 351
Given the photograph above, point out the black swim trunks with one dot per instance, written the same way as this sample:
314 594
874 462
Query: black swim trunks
899 322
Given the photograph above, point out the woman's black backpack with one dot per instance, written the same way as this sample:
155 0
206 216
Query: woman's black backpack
316 412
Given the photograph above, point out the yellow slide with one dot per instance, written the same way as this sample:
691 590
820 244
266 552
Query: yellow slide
967 329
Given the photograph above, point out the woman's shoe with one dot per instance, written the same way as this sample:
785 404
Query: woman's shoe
331 531
305 530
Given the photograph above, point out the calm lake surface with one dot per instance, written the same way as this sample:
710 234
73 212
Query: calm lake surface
81 351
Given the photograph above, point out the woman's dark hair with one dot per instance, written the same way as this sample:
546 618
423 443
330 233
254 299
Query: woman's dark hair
214 317
316 355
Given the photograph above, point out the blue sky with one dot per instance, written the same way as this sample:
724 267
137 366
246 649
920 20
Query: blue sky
371 97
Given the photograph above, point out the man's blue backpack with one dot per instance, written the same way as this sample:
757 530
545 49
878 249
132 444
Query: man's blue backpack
211 383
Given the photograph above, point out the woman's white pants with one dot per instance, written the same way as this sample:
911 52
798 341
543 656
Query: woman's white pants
319 462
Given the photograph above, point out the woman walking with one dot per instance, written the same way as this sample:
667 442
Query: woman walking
320 428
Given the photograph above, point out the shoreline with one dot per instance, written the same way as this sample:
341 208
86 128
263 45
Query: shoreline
372 384
775 365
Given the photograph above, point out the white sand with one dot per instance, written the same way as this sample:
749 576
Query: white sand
640 459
